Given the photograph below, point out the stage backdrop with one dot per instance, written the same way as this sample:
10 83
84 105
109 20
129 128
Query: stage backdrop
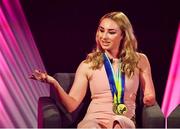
18 57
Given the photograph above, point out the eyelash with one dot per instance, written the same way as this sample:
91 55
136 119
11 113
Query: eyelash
108 32
112 32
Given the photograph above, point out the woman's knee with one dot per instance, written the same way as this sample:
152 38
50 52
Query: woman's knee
88 124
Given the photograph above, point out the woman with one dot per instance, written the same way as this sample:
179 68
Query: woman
113 71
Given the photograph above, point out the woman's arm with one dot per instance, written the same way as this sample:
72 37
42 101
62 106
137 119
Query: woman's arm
146 80
72 100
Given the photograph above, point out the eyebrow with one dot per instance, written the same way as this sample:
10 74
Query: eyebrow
108 29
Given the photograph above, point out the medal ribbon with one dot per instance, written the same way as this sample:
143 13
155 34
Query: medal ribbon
116 81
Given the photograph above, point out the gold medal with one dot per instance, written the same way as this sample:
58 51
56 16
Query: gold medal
119 109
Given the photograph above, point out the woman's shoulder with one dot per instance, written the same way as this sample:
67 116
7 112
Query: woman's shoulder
143 60
84 67
142 56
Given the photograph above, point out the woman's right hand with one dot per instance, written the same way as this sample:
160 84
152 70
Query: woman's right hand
42 76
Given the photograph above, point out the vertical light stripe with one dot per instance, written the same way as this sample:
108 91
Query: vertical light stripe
18 57
172 96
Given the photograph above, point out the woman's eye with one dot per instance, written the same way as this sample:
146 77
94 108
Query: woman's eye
101 30
112 32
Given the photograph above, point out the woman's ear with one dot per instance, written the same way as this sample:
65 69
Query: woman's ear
122 35
97 37
97 40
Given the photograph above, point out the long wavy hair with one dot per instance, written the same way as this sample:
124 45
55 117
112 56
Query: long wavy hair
127 49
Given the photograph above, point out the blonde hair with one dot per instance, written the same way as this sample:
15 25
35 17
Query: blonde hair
127 49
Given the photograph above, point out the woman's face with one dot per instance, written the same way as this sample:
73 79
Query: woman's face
109 35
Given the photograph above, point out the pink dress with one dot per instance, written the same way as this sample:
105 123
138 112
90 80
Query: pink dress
100 113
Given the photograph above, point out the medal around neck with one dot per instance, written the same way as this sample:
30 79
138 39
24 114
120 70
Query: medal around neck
119 109
117 84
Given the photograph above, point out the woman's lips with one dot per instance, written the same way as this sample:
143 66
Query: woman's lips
105 43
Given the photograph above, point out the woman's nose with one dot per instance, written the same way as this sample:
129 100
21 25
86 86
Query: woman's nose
104 35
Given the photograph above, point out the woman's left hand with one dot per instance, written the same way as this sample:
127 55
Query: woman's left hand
38 75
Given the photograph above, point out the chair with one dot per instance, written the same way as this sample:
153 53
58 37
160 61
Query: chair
52 114
173 120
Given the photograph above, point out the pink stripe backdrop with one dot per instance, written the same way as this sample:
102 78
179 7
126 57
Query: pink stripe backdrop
18 57
172 96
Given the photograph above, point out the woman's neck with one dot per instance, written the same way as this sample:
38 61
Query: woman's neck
112 55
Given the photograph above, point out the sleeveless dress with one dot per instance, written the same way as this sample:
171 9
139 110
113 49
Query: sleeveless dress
100 113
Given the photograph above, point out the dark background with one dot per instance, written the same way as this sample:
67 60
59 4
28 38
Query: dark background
64 31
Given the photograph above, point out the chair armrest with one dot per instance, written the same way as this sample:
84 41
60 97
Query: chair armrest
48 114
173 118
152 117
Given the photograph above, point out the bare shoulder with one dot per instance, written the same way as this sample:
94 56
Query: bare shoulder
143 62
142 58
84 68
